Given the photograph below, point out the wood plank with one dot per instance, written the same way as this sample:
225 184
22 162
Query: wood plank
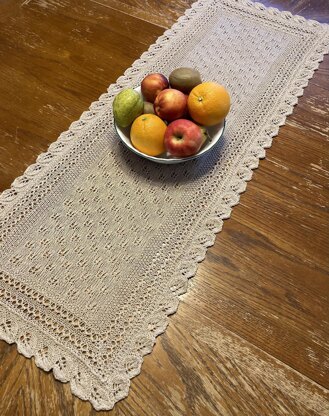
265 302
52 72
158 12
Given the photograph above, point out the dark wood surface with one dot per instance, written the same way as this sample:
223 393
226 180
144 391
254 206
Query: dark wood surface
251 335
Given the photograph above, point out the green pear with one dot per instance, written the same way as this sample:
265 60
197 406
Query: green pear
127 105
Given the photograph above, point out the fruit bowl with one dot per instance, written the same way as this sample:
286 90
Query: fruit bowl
214 134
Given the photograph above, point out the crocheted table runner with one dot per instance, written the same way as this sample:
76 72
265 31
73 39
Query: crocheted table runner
97 243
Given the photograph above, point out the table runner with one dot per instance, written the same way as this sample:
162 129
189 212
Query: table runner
97 244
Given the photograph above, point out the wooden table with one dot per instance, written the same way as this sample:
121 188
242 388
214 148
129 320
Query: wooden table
251 335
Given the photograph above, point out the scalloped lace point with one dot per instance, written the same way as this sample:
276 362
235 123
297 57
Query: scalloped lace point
97 244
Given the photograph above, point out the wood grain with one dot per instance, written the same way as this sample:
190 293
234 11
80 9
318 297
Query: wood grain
161 13
52 71
251 335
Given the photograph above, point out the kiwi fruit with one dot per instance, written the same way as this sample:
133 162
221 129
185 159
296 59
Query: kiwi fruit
184 79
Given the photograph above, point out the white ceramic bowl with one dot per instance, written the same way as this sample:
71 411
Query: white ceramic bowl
214 134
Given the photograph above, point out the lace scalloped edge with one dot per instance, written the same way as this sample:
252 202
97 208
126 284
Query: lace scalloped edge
119 384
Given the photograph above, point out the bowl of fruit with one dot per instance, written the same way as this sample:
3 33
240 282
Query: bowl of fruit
171 120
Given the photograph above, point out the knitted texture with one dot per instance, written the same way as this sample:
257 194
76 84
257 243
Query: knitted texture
97 244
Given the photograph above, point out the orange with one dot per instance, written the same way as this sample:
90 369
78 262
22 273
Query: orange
208 103
147 134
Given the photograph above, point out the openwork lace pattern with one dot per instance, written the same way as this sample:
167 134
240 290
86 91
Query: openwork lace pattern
97 244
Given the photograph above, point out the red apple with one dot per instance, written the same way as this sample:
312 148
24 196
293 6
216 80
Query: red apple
183 138
170 104
152 84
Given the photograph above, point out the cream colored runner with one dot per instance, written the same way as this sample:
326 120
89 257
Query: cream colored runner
96 243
